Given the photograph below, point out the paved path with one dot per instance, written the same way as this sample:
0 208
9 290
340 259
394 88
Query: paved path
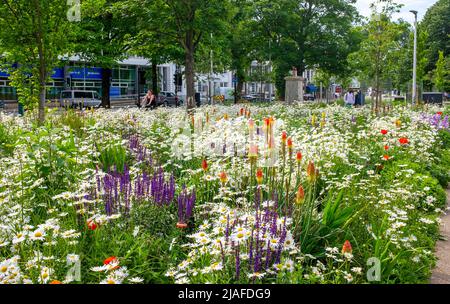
441 274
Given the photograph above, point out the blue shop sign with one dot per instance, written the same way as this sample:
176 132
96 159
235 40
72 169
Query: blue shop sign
114 91
58 73
86 73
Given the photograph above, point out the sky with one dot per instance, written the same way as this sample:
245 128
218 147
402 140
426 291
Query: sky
418 5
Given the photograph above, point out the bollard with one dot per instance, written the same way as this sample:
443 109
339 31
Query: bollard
21 110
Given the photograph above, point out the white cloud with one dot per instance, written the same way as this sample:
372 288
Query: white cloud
421 6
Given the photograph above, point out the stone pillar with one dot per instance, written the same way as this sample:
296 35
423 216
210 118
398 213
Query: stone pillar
294 87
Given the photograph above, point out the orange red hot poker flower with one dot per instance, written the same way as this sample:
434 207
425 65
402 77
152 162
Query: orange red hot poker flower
347 247
312 172
299 157
259 176
223 177
253 151
204 165
283 137
289 143
290 146
300 195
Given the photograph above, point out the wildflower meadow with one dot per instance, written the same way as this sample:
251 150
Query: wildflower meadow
226 194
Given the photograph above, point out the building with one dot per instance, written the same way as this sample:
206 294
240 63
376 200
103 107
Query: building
260 80
130 79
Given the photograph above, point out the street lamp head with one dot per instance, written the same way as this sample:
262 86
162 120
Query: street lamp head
414 12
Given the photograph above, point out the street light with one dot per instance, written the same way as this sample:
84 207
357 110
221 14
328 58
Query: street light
414 86
211 81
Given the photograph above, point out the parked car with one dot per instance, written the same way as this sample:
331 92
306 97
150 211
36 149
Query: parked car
309 97
249 97
168 99
81 99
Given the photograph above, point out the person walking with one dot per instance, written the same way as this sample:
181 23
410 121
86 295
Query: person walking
349 99
358 98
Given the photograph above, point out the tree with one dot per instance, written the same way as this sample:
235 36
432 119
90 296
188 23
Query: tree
102 37
311 33
190 23
149 41
380 47
436 23
34 34
240 43
441 80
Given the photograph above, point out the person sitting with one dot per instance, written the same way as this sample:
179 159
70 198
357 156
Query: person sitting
149 100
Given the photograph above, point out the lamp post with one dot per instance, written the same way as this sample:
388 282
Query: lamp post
211 81
270 72
414 86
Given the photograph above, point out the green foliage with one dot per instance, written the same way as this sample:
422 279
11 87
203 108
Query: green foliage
7 139
335 215
302 34
72 119
441 74
113 157
33 34
378 58
155 220
436 23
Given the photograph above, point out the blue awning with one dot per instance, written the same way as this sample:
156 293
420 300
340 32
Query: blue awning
311 88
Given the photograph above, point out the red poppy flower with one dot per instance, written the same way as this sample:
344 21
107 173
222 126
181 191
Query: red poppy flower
439 113
55 282
403 141
111 259
386 157
386 147
384 132
181 225
92 225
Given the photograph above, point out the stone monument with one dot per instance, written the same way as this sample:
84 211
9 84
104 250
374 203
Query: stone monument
294 87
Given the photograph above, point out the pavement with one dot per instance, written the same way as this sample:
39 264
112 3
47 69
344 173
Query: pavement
12 107
441 273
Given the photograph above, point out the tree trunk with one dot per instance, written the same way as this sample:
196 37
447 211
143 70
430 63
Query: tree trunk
239 87
106 85
155 77
189 72
377 97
